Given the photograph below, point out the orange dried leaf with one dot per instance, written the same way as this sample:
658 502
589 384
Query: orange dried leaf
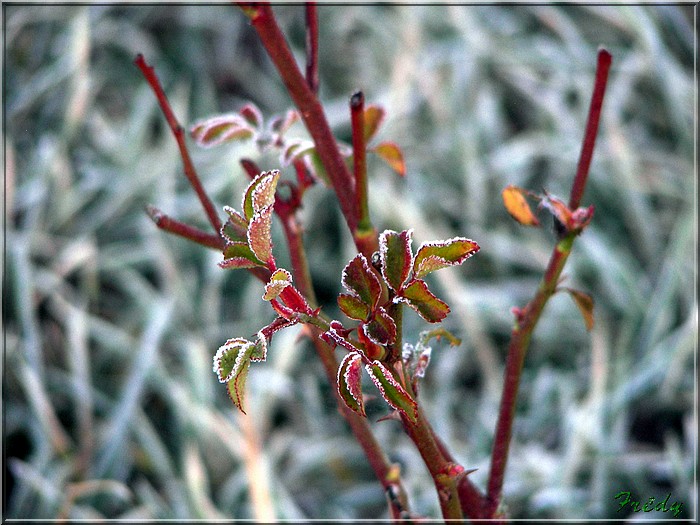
390 153
517 206
585 306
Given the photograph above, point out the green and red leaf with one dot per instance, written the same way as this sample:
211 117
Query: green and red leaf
390 153
381 329
295 149
422 300
392 391
231 364
221 128
260 193
396 257
235 228
441 254
359 279
252 114
279 280
517 206
349 382
239 255
353 307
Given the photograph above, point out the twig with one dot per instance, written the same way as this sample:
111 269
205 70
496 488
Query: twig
164 222
179 133
527 318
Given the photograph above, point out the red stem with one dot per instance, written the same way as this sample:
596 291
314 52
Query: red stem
310 108
359 159
312 46
164 222
179 134
584 163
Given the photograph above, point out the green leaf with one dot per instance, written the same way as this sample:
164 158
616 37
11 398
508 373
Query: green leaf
295 149
239 255
279 280
260 234
396 257
349 382
441 254
353 307
235 229
381 329
221 128
392 391
373 117
422 300
360 280
231 364
260 193
390 153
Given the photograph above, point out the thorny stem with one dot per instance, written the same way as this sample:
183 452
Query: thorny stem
179 133
312 46
527 318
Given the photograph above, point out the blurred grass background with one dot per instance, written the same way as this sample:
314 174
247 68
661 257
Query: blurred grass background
110 405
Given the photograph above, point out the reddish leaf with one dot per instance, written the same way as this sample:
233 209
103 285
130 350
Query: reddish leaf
360 280
221 128
390 153
353 307
585 305
334 338
441 254
279 280
281 125
517 206
252 115
396 257
349 382
381 329
558 208
373 117
392 391
266 332
260 234
422 300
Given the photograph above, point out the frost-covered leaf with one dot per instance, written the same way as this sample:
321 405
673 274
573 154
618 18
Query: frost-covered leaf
221 128
381 329
281 124
279 280
231 364
373 117
396 257
349 382
235 229
295 149
359 279
260 193
260 234
239 255
392 391
441 254
353 307
422 300
517 206
252 114
265 334
558 208
390 153
585 305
